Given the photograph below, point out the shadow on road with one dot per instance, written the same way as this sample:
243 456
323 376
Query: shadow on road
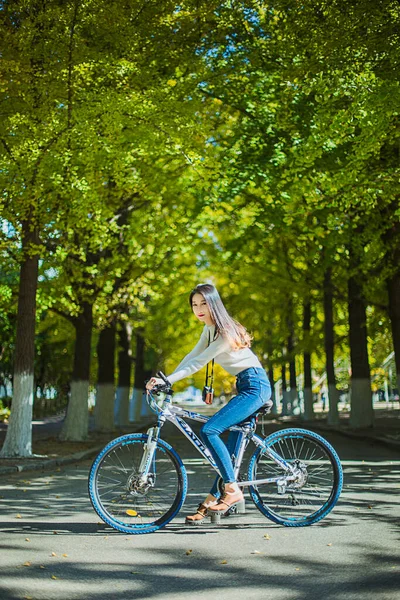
170 573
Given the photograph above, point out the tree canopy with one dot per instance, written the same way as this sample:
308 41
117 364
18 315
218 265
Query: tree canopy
145 147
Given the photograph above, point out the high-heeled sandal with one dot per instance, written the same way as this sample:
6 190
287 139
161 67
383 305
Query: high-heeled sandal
198 517
226 501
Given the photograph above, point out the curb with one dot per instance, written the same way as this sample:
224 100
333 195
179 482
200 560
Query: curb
358 436
61 460
51 462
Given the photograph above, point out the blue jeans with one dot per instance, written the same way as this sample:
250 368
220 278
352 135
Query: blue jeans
254 391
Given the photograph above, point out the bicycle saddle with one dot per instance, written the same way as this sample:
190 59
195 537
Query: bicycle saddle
252 419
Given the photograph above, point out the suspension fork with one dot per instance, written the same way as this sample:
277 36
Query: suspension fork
148 453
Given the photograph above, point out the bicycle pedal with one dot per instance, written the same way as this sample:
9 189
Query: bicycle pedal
231 511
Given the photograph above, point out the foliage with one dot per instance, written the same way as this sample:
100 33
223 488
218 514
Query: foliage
156 145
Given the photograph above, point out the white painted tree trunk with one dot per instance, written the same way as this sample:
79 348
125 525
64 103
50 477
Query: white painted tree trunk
308 414
104 408
285 403
274 409
294 402
333 414
75 428
19 439
122 405
137 401
146 410
361 412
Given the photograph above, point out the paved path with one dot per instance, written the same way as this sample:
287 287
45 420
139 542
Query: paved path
53 546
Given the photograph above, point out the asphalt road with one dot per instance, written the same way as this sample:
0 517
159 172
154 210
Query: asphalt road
54 547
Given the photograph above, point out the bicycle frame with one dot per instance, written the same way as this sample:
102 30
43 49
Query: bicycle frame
174 414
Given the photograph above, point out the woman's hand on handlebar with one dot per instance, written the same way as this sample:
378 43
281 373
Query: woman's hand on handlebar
153 382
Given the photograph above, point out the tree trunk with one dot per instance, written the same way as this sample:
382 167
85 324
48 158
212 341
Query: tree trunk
76 422
18 440
105 393
308 397
329 342
140 406
124 375
362 414
393 286
285 393
292 373
274 409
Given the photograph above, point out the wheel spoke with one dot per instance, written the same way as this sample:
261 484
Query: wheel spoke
119 495
316 479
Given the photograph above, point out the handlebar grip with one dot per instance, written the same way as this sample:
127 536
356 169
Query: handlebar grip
161 375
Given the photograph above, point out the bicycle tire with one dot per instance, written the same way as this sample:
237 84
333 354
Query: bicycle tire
115 466
286 509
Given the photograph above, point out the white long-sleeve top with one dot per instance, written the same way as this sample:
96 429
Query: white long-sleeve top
233 361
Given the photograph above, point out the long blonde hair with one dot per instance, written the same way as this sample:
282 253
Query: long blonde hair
232 330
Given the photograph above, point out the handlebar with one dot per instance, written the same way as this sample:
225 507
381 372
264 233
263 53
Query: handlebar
161 375
164 388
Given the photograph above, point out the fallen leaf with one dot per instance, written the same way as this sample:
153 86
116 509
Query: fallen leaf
297 569
188 552
370 507
42 567
27 540
28 598
53 554
267 537
54 577
223 562
330 544
65 555
18 516
27 563
255 552
131 513
55 532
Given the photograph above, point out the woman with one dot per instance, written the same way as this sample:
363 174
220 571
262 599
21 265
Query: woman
228 342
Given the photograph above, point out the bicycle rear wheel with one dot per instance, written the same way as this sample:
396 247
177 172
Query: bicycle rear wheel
318 484
119 497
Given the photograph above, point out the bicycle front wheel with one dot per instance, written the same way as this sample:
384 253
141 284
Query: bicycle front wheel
317 485
122 499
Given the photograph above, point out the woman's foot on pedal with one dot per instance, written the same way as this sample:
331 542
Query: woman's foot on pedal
227 500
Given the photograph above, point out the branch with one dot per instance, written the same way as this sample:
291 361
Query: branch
238 108
8 150
45 149
61 313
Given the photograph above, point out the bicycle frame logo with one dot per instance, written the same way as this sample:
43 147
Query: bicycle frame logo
188 431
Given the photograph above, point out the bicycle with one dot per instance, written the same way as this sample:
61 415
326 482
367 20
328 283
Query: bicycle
138 482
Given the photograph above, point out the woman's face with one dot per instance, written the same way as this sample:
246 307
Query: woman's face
201 310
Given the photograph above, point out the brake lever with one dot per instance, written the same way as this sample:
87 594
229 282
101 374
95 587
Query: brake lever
161 387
